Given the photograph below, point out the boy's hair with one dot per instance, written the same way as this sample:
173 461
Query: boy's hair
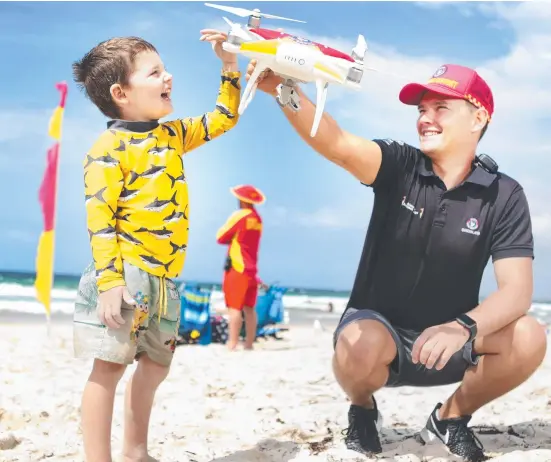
108 63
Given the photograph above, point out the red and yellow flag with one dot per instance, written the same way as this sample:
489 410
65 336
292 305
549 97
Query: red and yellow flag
47 197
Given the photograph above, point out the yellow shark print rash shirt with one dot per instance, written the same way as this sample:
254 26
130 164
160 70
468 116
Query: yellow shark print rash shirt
136 191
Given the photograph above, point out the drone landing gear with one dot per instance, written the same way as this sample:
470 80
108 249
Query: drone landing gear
287 96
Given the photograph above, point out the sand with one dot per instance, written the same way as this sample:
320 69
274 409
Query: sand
278 403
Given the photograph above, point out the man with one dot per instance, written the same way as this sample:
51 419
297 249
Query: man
439 214
242 232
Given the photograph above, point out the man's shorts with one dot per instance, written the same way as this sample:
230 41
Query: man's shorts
402 371
240 290
142 332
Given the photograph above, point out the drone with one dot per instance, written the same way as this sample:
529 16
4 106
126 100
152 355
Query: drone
295 59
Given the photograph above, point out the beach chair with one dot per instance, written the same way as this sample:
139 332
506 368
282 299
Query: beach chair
270 312
195 324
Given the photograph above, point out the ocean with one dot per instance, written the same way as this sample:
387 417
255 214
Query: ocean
17 296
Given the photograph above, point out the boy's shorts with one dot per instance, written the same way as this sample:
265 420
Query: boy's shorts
239 289
142 331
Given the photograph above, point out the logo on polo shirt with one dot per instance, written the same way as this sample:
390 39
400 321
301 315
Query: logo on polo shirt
471 227
390 142
412 208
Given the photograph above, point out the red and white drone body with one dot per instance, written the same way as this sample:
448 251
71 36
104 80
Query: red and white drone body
295 59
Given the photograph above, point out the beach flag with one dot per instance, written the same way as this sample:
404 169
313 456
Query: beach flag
47 198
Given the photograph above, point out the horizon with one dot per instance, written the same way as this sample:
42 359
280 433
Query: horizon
77 276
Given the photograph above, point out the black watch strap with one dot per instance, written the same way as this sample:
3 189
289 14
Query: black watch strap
468 323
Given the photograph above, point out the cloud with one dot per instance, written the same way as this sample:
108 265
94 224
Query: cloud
19 235
325 217
25 123
29 127
518 137
344 214
466 9
541 224
538 192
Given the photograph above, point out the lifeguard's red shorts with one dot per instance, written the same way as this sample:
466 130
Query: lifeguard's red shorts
239 289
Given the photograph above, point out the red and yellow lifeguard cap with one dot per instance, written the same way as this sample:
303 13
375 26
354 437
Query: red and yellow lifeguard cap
453 81
248 193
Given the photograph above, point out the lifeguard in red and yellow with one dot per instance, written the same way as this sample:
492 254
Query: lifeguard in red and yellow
242 233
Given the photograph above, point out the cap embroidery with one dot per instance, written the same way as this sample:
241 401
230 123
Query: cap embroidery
478 104
441 70
446 82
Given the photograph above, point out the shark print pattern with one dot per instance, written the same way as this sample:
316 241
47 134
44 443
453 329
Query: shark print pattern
161 150
152 172
158 205
105 161
224 110
137 141
106 233
177 248
158 233
180 179
136 191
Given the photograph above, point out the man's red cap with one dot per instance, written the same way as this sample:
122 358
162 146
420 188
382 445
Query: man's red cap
248 193
453 81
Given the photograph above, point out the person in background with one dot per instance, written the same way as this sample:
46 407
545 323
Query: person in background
242 232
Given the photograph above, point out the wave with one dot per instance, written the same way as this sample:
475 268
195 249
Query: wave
25 291
22 298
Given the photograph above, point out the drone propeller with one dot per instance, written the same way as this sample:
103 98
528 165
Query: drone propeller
361 48
244 12
237 30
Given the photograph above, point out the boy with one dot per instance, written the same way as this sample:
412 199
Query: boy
137 218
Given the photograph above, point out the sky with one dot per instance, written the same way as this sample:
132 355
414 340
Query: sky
316 214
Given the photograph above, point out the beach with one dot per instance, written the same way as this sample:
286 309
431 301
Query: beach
278 403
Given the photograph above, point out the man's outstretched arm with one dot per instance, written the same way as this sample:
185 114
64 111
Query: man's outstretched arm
359 156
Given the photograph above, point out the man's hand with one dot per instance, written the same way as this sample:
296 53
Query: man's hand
437 344
267 80
109 311
216 38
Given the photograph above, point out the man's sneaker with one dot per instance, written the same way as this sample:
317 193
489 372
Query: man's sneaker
455 434
362 434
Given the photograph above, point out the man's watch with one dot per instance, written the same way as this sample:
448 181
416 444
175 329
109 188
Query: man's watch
469 324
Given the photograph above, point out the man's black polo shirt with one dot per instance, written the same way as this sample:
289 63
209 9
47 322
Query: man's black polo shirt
426 247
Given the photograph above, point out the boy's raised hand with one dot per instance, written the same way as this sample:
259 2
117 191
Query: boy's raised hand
215 37
109 310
